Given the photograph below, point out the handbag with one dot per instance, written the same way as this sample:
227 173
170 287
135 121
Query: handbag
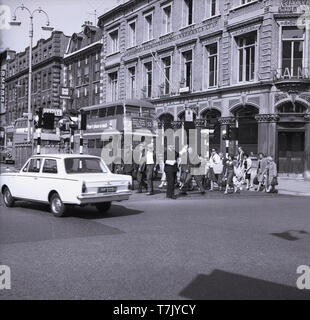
255 181
274 181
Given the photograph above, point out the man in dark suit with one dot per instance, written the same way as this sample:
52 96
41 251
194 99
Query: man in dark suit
171 169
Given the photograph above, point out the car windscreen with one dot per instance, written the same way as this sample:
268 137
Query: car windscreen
84 165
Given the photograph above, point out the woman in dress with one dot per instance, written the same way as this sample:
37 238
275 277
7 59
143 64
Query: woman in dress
229 173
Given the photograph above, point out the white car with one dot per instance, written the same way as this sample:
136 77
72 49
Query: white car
65 179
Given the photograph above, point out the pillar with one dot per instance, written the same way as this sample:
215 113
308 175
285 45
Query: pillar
307 147
267 133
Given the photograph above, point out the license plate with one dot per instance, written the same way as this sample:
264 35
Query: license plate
107 189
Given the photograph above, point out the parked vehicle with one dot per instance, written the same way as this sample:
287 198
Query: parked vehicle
63 180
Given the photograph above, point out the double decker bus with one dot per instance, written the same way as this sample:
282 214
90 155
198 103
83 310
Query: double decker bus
129 117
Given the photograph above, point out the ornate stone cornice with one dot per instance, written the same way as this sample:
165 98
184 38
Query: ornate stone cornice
227 120
261 118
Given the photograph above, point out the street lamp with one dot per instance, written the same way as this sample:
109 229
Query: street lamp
14 22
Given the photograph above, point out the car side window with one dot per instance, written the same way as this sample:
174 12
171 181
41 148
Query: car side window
50 166
25 169
35 165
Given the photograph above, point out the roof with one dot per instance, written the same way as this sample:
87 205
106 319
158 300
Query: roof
128 102
63 155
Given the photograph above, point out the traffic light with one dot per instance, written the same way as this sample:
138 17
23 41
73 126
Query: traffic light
235 134
83 121
49 121
38 118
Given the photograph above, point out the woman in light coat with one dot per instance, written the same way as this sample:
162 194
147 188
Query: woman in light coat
272 174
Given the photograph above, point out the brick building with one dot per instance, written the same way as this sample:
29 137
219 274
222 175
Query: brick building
244 63
47 59
82 68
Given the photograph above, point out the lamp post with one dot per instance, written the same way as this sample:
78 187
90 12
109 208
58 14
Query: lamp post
45 28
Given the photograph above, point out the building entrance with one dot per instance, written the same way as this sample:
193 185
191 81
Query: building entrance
291 150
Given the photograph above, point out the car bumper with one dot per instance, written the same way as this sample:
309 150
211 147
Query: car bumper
99 198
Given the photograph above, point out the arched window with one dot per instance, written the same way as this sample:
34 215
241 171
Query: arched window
212 116
291 107
167 120
248 128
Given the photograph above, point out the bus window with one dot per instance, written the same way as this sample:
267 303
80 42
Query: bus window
99 144
133 111
102 112
91 143
119 110
111 111
94 113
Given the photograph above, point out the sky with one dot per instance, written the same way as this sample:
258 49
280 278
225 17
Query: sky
65 15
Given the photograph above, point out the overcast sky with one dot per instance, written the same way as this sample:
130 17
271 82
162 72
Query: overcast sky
65 15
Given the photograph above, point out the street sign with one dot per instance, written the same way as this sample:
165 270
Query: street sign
189 115
57 112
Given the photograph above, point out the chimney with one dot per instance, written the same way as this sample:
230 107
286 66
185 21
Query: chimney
87 23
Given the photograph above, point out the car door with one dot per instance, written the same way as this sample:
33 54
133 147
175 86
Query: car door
49 178
28 180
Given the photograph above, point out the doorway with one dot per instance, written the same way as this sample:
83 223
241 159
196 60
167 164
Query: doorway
291 148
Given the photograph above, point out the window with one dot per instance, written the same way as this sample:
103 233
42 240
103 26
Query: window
44 81
148 27
213 9
187 12
212 64
102 112
292 51
111 111
49 79
132 83
97 70
86 74
167 72
148 78
188 61
35 165
132 34
113 84
85 165
167 19
114 44
246 1
246 56
50 166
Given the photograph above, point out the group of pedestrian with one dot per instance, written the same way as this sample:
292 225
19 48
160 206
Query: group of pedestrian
182 170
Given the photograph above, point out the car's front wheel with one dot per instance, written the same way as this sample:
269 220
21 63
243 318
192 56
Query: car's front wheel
103 207
58 208
7 198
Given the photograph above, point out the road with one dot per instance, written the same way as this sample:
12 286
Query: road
211 247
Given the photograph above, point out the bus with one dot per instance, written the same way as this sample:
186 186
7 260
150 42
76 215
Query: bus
129 117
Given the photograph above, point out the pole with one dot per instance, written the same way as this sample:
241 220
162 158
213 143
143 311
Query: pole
39 130
29 80
72 141
81 142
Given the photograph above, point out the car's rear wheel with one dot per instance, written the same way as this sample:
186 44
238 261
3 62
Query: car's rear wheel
103 207
7 198
58 208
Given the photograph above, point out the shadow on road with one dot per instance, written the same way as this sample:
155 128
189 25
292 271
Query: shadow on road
220 285
89 213
291 235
